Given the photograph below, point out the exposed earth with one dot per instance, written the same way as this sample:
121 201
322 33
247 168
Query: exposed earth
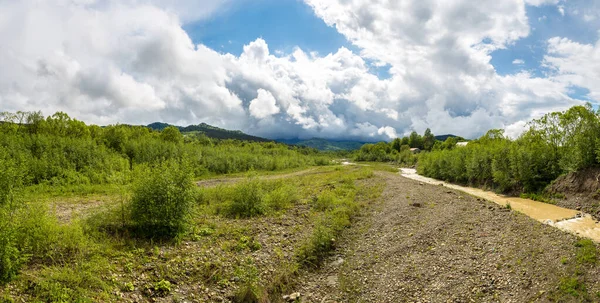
428 243
578 190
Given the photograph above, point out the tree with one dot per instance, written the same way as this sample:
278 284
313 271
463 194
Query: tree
396 144
415 140
428 140
171 134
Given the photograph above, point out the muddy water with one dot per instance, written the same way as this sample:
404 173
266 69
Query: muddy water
562 218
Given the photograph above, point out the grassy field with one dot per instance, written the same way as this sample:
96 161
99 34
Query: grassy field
244 241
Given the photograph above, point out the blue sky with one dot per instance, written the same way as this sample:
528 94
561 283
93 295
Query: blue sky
284 24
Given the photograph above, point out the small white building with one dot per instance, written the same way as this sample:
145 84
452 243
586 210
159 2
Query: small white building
461 144
415 150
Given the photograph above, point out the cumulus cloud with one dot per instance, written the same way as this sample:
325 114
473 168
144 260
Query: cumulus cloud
575 64
542 2
264 105
130 61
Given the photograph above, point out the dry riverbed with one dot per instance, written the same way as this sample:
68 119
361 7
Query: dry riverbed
429 243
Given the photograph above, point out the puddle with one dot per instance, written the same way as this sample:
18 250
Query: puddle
562 218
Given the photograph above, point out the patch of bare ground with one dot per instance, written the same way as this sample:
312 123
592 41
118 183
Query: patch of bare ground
67 209
427 243
578 190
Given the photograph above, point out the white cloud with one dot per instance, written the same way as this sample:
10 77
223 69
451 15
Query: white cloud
390 132
542 2
130 61
575 64
518 62
264 105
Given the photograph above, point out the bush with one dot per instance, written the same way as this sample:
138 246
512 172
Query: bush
161 200
10 256
312 253
281 197
247 200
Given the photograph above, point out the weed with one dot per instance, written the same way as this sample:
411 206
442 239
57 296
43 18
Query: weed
586 253
128 287
247 243
281 198
251 290
508 206
572 286
162 288
313 251
325 201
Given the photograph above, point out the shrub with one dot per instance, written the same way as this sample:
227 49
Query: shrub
247 200
10 256
326 200
281 197
161 200
321 242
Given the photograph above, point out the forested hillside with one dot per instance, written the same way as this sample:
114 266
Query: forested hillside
59 150
325 144
211 132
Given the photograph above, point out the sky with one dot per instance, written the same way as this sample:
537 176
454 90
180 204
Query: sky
339 69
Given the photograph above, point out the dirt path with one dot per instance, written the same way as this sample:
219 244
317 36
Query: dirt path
428 243
231 180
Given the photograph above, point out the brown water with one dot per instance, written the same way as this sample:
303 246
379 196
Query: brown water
562 218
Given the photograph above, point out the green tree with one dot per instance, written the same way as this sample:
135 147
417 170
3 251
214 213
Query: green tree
415 140
428 140
171 134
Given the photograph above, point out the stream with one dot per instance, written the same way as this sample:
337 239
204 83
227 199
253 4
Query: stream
565 219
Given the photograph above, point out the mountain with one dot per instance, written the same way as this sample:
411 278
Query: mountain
325 144
211 131
444 137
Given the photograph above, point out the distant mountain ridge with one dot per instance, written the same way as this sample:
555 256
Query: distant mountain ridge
444 137
325 144
211 131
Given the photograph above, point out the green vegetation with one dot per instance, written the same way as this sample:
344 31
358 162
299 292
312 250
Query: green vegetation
555 144
209 131
84 210
573 286
60 151
92 214
399 150
162 199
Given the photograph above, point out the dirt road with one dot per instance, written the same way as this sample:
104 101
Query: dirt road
428 243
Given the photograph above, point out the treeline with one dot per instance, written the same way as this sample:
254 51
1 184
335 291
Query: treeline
555 144
399 150
59 150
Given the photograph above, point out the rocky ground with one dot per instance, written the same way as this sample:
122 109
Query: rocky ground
427 243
